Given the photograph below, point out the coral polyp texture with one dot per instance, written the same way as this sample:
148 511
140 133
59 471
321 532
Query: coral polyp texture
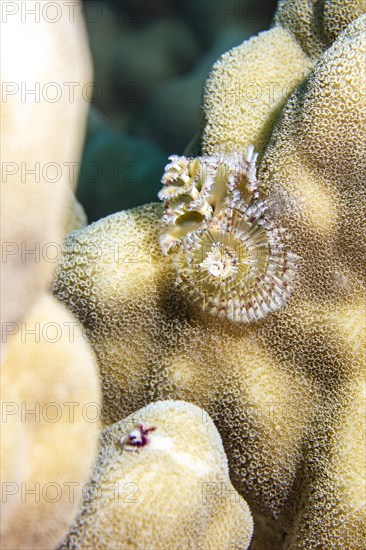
285 392
172 491
232 260
243 95
316 24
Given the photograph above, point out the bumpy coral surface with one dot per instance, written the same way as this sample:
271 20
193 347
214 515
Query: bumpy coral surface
316 23
247 89
50 389
37 161
161 481
284 392
50 412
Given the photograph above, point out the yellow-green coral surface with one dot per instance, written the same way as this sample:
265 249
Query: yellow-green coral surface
286 393
50 411
316 23
50 387
39 165
173 492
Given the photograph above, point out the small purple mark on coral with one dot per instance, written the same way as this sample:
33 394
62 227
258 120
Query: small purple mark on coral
137 438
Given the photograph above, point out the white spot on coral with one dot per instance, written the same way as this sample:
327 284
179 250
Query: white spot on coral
167 445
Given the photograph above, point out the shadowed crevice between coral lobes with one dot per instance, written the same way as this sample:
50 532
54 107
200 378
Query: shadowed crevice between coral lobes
280 374
173 491
219 334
